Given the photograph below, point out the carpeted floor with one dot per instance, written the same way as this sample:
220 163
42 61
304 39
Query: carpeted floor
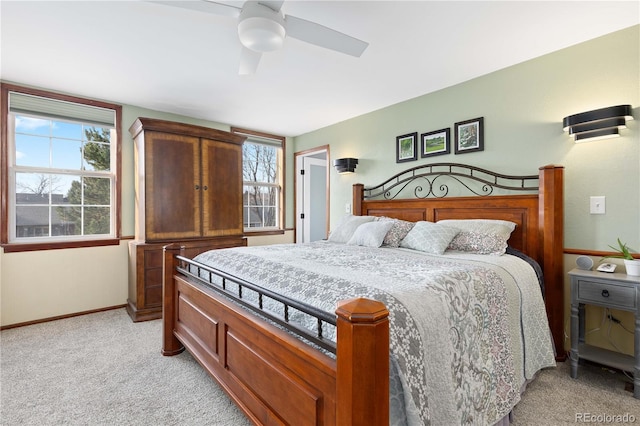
554 398
103 369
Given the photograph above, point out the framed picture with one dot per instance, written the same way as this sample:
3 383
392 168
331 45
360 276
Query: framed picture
435 143
407 147
469 136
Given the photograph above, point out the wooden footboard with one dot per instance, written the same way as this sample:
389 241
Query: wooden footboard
274 377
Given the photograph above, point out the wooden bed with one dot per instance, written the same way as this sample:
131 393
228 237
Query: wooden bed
277 378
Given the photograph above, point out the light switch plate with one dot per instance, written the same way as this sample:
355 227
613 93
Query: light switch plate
597 205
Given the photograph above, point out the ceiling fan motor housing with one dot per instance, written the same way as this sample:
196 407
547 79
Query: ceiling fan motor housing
261 29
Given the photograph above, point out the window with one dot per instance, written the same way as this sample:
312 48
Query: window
62 169
262 170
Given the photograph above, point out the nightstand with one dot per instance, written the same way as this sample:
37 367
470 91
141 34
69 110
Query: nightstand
615 291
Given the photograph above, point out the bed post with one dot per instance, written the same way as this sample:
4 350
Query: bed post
551 233
362 378
358 196
170 344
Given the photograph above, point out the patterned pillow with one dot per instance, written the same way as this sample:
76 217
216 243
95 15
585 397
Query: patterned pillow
398 231
370 234
429 237
481 236
347 226
475 242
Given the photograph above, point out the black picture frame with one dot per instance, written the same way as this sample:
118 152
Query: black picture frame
435 143
469 136
407 147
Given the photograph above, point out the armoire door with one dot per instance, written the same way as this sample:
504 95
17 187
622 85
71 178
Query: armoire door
173 186
222 190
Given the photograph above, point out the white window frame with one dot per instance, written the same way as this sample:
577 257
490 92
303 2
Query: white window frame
277 142
60 108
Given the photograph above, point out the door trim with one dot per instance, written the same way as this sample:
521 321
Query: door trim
297 160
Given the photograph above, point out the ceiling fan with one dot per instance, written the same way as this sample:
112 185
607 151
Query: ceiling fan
262 28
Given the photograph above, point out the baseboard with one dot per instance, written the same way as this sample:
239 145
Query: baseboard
76 314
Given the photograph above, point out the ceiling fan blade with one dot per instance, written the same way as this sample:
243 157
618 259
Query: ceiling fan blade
249 61
274 5
203 6
324 37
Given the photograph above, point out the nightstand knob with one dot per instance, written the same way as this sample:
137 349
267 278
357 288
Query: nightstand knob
605 293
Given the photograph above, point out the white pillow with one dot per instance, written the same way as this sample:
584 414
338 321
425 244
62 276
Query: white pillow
347 226
429 237
370 234
480 236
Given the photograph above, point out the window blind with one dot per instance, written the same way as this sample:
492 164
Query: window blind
22 103
277 143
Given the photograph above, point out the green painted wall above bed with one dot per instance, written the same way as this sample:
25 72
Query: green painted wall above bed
523 107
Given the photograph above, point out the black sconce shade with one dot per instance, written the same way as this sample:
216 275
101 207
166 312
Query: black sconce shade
345 165
598 124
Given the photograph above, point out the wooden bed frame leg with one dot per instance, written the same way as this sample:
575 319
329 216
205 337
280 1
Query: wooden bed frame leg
170 344
362 382
358 196
551 232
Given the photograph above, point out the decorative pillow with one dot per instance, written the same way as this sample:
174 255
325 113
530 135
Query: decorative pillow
481 236
370 234
398 231
475 242
347 226
429 237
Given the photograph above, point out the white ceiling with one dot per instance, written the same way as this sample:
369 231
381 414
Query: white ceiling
186 62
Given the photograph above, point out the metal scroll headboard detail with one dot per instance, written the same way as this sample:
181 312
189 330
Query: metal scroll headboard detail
434 175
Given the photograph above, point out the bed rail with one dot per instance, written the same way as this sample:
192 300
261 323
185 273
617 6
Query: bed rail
461 173
238 293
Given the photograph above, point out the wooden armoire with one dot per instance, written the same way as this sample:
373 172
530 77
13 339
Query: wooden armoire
188 191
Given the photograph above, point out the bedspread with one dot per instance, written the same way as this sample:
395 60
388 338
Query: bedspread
466 331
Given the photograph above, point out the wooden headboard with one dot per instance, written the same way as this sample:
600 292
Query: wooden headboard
538 214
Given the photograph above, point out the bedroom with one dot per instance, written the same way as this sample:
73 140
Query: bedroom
523 106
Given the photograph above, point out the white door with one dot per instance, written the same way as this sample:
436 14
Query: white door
311 209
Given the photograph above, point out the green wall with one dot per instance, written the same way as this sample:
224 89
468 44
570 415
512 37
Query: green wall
523 107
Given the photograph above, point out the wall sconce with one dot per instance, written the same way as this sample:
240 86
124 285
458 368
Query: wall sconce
597 124
345 165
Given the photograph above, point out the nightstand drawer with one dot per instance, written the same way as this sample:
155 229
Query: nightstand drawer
611 295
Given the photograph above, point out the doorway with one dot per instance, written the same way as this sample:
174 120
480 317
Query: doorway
312 194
